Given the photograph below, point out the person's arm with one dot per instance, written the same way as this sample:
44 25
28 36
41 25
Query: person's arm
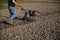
16 4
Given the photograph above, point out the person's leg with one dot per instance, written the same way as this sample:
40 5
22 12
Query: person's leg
12 13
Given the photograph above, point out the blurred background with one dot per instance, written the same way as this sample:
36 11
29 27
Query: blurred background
3 3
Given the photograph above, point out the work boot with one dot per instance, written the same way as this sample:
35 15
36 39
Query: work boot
9 22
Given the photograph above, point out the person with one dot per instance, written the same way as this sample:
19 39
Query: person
11 7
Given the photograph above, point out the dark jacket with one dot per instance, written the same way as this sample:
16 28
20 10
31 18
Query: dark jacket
10 3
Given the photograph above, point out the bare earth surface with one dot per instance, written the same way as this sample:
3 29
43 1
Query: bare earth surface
46 26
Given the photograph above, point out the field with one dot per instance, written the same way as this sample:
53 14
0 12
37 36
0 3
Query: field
46 26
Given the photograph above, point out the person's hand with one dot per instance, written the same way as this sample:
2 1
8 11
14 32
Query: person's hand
18 5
